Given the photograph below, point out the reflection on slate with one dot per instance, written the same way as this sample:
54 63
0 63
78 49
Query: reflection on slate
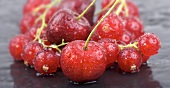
26 77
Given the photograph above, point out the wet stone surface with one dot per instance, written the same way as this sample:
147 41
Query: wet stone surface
155 15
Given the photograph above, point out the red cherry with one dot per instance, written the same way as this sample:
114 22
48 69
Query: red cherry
27 21
29 52
79 6
32 4
64 25
16 44
132 8
81 65
129 60
112 50
111 27
149 44
46 62
134 26
33 30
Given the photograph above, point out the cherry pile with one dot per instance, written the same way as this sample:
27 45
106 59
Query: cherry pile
63 34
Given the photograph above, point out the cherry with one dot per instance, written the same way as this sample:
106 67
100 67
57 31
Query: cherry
111 27
132 8
46 62
32 4
134 26
81 65
33 30
129 60
79 6
27 21
29 52
64 25
16 44
112 50
149 44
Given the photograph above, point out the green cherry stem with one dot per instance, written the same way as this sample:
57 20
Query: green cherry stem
102 19
117 12
84 12
105 8
123 4
126 7
129 45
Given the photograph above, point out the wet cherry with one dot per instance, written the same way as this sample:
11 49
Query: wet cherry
64 25
79 6
16 45
81 65
46 62
132 8
129 60
111 27
112 50
149 44
29 52
134 26
32 4
27 21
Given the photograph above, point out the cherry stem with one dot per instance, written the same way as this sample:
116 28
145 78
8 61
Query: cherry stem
84 12
129 45
123 4
126 7
56 46
105 8
117 12
102 19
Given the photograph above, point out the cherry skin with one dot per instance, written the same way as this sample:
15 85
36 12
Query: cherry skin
126 37
134 26
51 12
33 30
112 50
33 4
149 44
129 60
29 52
79 6
111 27
46 62
132 8
64 25
16 44
95 37
145 58
81 65
27 21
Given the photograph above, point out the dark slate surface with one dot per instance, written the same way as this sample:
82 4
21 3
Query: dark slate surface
155 15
